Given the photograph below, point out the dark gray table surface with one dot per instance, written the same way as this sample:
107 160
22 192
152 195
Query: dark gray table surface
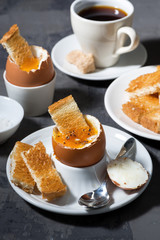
44 23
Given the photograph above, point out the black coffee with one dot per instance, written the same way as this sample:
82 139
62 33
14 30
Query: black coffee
102 13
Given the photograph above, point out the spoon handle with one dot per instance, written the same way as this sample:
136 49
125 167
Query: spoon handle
127 147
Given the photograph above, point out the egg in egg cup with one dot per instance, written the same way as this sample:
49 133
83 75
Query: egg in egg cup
29 76
79 146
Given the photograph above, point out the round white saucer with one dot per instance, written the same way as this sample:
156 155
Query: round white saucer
128 61
68 204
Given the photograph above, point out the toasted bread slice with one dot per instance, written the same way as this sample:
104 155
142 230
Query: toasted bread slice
16 46
144 110
151 120
138 106
145 84
43 172
20 174
68 118
84 62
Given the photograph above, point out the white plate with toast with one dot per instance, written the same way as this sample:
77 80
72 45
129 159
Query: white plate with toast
116 96
68 204
128 61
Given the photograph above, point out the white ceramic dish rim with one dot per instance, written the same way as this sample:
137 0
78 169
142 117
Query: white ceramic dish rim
120 84
107 73
20 117
34 137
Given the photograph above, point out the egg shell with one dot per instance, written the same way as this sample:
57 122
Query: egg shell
127 174
38 77
90 154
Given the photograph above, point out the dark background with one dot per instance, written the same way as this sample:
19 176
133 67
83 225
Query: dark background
44 23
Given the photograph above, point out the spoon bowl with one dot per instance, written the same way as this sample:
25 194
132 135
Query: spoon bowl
96 199
100 197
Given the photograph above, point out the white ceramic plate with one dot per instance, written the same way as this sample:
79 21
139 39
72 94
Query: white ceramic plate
128 61
116 95
66 205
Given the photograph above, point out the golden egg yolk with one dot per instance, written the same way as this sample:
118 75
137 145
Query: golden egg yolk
71 140
29 64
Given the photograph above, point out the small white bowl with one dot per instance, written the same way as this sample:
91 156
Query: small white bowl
82 180
34 100
11 115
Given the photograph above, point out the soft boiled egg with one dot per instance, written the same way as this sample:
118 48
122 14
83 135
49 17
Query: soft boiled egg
83 152
34 72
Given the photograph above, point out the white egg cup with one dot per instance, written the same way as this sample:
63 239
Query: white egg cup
84 179
34 100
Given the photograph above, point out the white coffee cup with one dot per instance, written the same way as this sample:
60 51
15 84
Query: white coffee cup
104 39
34 100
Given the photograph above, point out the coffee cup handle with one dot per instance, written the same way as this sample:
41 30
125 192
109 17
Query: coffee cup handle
134 40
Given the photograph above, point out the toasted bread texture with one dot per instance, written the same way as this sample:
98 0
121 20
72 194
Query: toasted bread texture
138 106
68 117
144 104
16 46
20 174
84 62
144 110
145 84
43 172
151 120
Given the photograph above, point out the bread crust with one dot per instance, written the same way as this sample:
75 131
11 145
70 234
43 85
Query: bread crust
151 120
144 104
43 172
145 84
12 31
20 174
68 118
16 46
144 110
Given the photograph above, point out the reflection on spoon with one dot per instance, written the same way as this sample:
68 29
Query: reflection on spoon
96 199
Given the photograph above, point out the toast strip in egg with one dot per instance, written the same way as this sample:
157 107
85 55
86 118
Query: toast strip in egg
68 117
43 172
16 46
20 174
